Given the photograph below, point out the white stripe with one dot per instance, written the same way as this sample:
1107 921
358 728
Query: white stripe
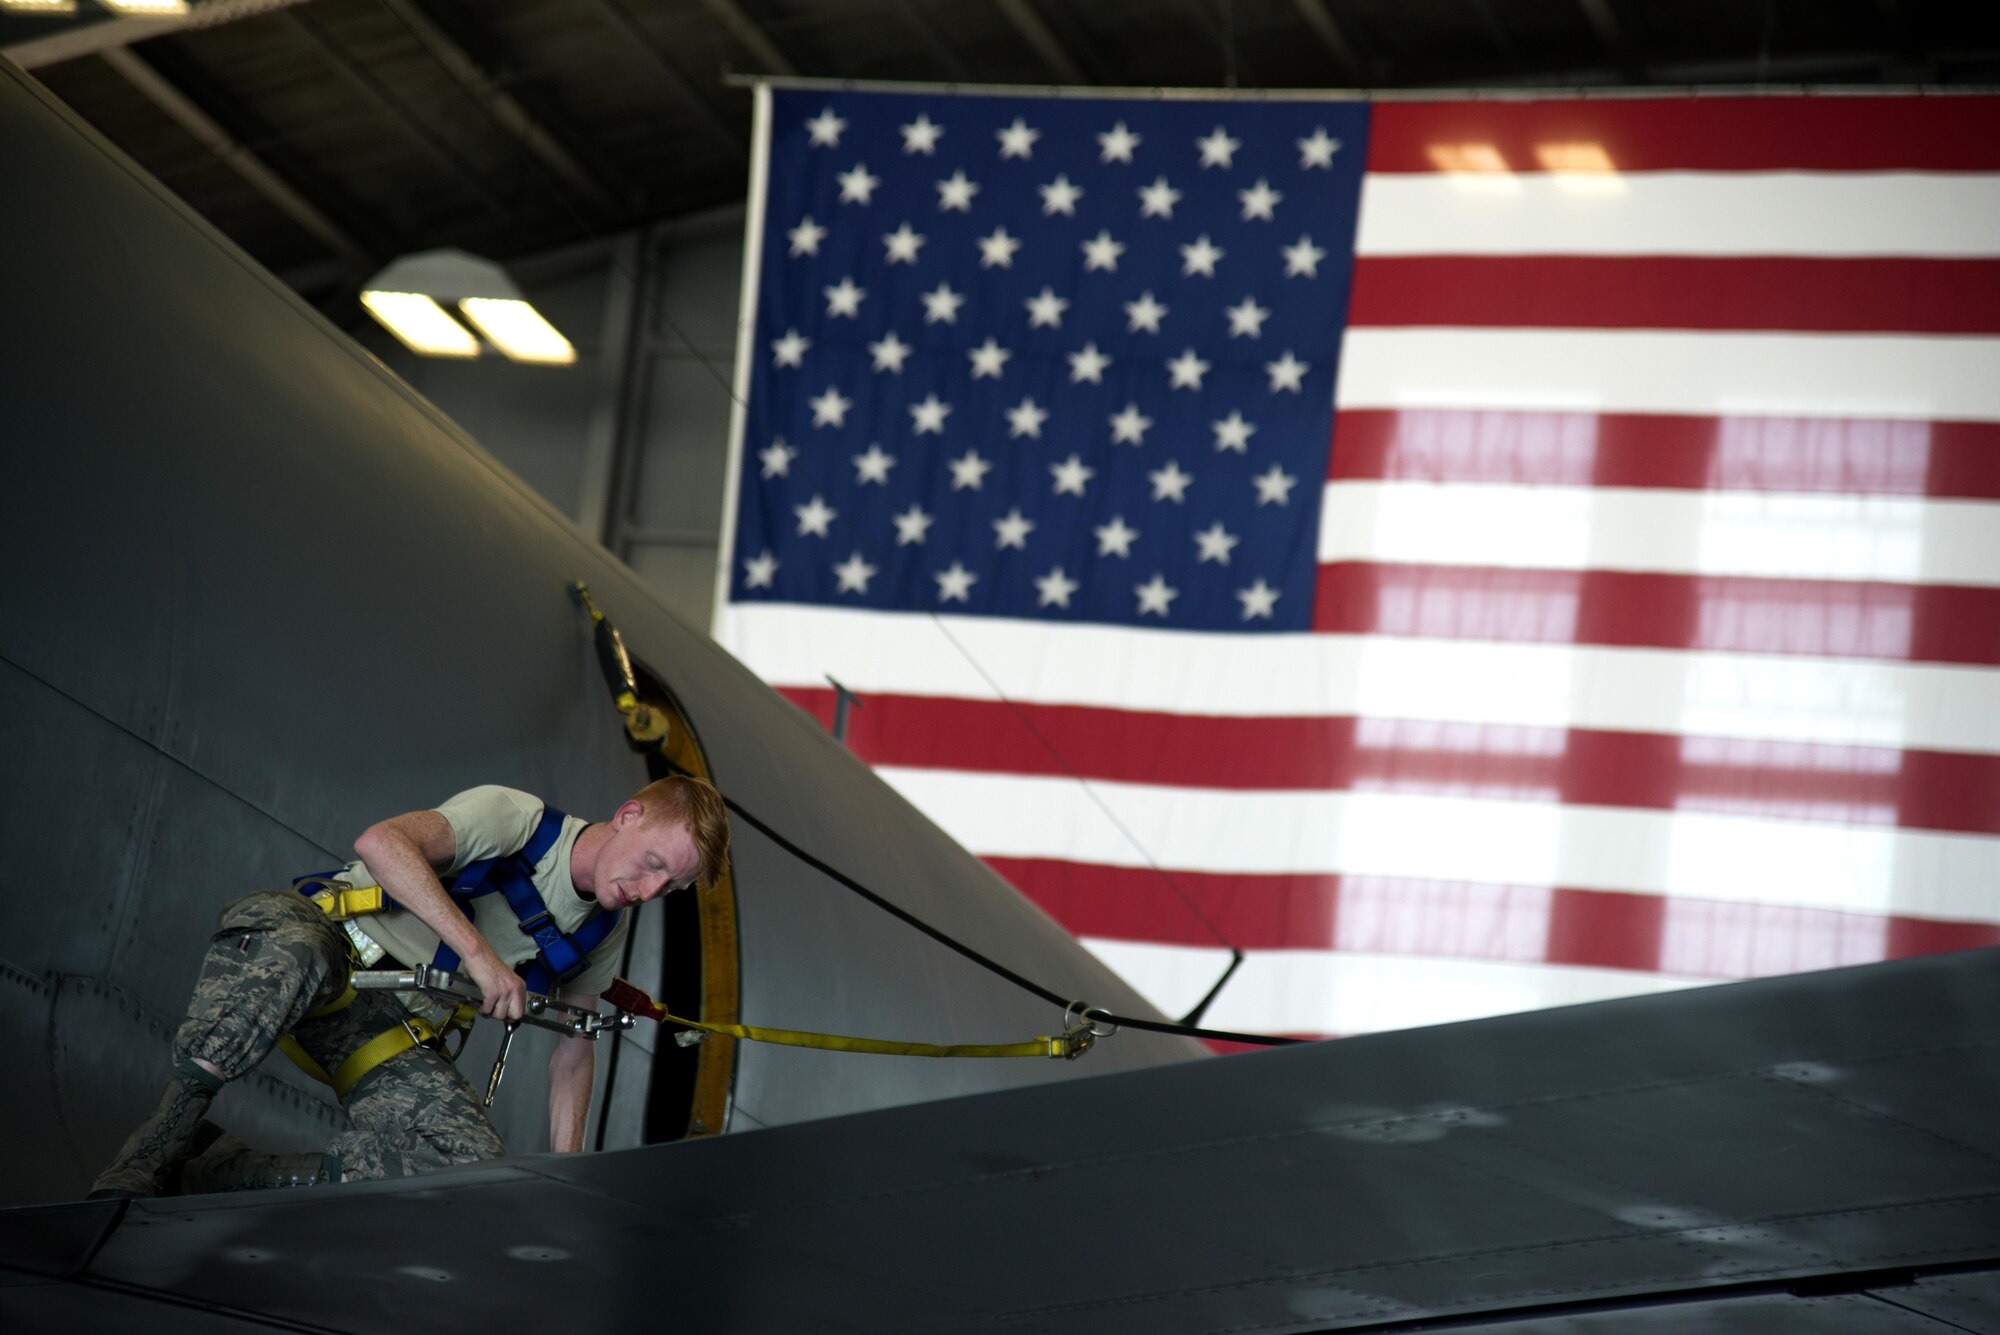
1417 836
1682 213
1780 697
1767 534
1672 371
1328 992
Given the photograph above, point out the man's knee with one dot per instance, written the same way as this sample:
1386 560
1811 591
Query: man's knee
269 910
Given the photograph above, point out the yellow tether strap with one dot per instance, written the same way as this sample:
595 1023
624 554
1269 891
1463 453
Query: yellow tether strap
387 1044
1043 1046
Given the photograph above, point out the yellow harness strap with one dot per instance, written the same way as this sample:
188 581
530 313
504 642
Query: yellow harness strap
339 901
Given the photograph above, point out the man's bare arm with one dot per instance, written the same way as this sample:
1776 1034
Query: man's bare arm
572 1068
404 853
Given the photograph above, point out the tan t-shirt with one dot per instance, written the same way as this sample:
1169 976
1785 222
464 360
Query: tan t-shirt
491 821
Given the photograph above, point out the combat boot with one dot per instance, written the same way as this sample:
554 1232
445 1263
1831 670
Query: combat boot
153 1152
229 1164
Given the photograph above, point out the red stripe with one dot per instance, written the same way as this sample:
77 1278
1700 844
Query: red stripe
1855 785
1931 623
1462 920
1926 296
1811 454
1678 133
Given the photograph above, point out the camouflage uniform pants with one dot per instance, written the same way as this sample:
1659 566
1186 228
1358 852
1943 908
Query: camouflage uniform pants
275 957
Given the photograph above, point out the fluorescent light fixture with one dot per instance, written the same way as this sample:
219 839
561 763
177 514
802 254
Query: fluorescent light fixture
518 330
482 290
1581 169
39 6
151 9
421 323
1484 158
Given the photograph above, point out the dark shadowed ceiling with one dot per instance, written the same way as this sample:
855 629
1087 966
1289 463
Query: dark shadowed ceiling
329 136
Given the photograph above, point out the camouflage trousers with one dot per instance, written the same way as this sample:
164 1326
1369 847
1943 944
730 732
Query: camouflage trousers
273 959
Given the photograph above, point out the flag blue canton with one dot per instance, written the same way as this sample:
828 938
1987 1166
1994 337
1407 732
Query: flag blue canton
1058 358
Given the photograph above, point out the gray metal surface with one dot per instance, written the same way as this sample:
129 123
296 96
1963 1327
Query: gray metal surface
1813 1153
261 595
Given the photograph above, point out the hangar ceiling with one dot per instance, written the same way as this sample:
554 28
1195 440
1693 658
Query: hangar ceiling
327 137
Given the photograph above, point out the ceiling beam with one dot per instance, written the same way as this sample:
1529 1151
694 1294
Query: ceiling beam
1334 38
621 19
940 50
1612 34
1047 45
235 156
502 106
745 30
90 39
363 80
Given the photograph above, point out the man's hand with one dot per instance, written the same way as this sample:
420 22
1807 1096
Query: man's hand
506 996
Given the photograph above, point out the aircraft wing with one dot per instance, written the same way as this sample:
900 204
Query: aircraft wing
1816 1152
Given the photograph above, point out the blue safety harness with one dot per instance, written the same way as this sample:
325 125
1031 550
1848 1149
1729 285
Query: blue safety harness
559 955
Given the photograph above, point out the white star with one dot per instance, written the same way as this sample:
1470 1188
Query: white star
1155 594
1247 318
1303 259
1259 200
759 570
854 574
956 192
1088 365
921 135
890 352
1025 419
825 129
969 470
1012 530
1215 543
955 584
1158 199
1318 151
777 457
830 408
806 237
903 245
1218 149
1200 257
1233 433
1117 144
789 350
1056 588
988 359
1101 252
1288 372
911 525
998 249
814 517
856 185
1046 308
1017 140
844 299
1258 600
1114 538
1071 475
1129 427
1274 487
1187 370
1059 196
1145 313
1170 483
941 304
873 466
929 415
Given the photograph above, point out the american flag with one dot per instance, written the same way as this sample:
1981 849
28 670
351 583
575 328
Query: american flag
1466 555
